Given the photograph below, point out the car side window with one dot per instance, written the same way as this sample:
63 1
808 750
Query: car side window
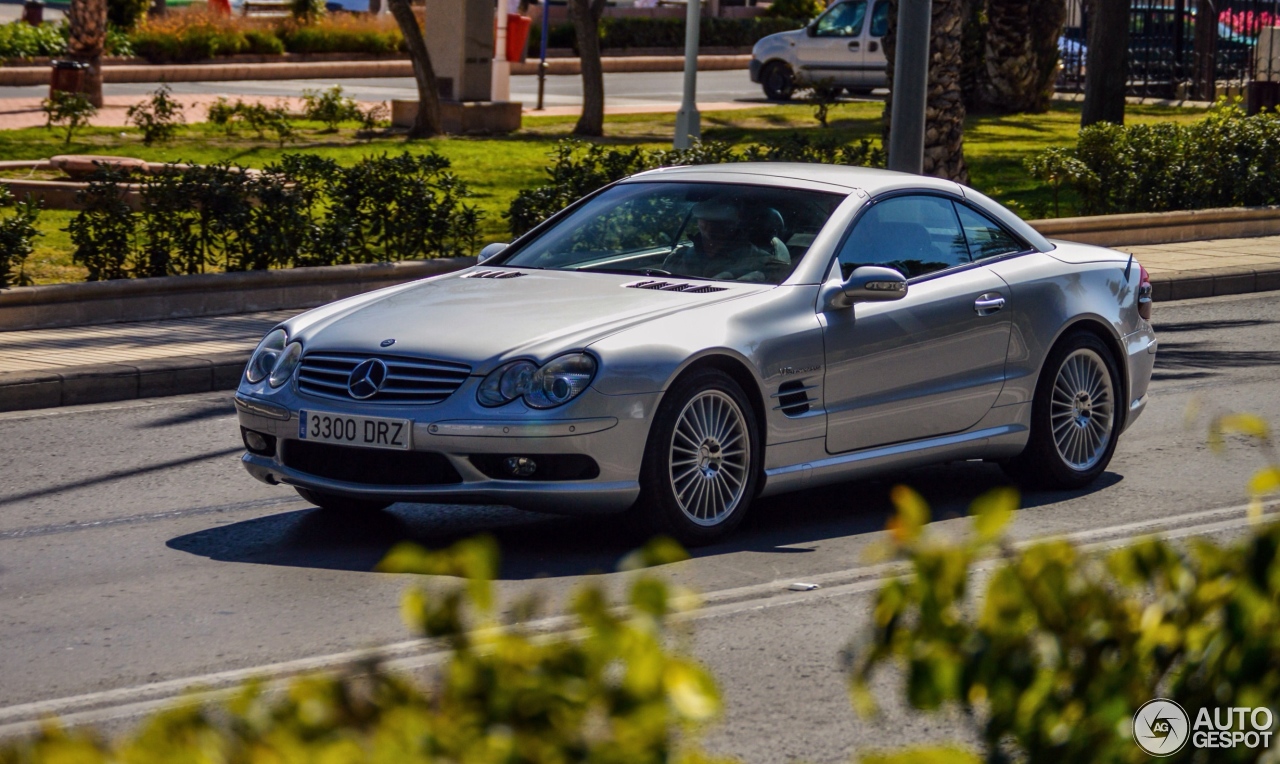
842 20
880 19
984 236
914 235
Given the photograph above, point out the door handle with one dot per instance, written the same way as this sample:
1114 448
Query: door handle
855 45
988 303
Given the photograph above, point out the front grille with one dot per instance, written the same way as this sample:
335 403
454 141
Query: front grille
674 286
368 466
409 380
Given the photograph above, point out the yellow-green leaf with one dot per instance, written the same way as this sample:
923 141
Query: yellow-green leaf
1265 481
912 515
661 550
692 690
1244 424
992 511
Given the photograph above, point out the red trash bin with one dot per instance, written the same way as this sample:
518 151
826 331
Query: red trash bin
517 37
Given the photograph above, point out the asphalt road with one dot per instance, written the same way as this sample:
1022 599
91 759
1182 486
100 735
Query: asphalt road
621 89
137 558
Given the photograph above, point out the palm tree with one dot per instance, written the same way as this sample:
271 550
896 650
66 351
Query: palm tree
427 123
944 109
1020 54
586 27
88 33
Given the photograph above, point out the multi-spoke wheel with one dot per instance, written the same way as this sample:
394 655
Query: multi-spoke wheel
701 461
1074 416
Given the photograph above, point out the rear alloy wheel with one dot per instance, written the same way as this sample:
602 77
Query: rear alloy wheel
701 463
778 81
1074 417
340 505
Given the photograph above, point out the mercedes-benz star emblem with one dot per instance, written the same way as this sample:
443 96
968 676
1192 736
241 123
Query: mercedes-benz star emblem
367 378
387 343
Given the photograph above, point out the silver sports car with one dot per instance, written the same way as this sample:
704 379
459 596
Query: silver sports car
686 340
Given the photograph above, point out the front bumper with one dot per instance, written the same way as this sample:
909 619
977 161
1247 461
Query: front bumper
611 430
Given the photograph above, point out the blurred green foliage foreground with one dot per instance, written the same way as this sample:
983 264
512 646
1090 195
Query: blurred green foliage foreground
1045 648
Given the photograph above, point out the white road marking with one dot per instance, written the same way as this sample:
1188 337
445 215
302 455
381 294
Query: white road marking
129 702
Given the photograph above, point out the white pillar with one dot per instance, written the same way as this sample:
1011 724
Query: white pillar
688 121
501 90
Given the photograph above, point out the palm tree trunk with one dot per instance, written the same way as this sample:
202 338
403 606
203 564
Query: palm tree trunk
88 33
427 123
1020 55
944 109
1106 63
586 27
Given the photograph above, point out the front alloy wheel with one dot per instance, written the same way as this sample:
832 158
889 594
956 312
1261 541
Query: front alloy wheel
701 462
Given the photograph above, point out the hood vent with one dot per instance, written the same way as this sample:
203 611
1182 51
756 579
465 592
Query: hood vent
672 286
493 275
793 397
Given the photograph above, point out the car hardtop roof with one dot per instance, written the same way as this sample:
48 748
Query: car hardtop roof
869 179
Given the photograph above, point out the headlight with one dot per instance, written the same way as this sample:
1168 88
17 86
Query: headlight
265 356
285 365
556 382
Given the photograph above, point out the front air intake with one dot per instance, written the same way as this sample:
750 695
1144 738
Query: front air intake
494 275
793 397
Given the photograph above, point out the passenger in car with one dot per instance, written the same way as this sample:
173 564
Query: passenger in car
721 248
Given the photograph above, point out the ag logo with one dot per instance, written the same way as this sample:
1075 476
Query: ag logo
1161 727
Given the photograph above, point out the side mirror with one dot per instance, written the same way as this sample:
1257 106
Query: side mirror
490 251
869 283
811 30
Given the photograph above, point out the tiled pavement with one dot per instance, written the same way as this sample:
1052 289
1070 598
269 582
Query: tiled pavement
52 367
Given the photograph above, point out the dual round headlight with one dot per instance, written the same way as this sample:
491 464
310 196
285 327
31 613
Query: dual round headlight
558 381
273 360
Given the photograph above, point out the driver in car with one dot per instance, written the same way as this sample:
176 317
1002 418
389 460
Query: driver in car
720 249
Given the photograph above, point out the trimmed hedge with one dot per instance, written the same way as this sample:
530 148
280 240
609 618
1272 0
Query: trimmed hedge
195 35
616 33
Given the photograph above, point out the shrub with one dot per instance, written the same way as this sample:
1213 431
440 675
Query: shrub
343 33
125 14
21 40
795 9
158 117
1051 657
194 34
18 233
330 107
103 231
1226 159
579 168
607 689
70 109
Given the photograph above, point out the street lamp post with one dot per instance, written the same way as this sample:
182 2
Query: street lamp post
542 55
910 87
501 82
688 121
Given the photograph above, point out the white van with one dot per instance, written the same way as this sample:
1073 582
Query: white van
839 49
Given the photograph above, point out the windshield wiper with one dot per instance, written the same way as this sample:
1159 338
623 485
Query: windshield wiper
641 272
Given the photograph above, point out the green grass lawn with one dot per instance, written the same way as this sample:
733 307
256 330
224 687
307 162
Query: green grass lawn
497 167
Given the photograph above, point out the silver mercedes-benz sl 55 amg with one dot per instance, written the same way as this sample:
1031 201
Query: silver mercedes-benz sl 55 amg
688 339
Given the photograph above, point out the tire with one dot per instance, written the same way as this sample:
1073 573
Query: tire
340 505
698 497
778 80
1081 392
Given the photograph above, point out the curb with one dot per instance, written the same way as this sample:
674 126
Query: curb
33 75
23 390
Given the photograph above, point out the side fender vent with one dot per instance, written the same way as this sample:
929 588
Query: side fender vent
672 286
494 275
793 397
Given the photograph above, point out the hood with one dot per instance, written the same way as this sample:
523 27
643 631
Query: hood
776 43
485 321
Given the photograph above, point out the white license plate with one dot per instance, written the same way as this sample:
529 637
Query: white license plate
363 431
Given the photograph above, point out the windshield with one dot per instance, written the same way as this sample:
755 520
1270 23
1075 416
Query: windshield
715 231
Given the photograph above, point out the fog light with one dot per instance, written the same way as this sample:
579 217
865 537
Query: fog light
521 466
258 443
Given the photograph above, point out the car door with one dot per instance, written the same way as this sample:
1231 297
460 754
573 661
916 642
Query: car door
831 53
874 72
931 363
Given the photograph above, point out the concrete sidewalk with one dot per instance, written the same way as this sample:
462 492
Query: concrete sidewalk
44 368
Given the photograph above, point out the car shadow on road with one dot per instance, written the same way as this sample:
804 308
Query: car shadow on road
542 546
